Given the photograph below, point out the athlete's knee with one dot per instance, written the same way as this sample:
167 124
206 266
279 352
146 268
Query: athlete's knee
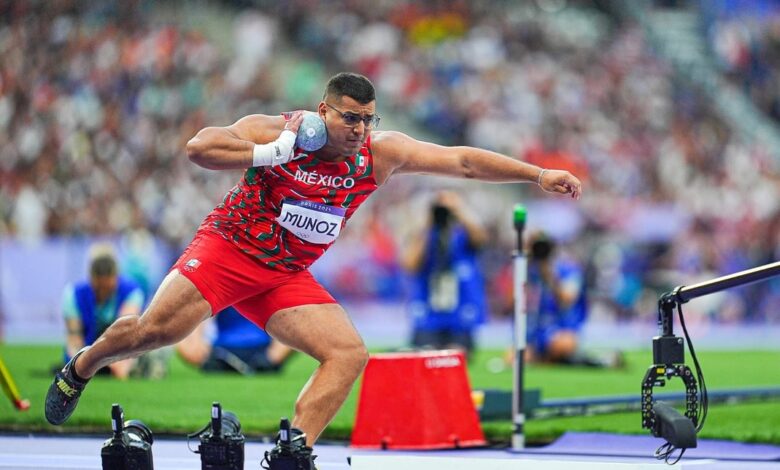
353 358
360 356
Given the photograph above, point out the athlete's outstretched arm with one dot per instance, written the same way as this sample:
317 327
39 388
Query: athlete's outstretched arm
399 153
234 147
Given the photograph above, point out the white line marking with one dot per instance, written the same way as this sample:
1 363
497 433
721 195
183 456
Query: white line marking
366 462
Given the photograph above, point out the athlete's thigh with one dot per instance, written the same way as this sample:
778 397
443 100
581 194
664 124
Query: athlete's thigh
176 309
315 329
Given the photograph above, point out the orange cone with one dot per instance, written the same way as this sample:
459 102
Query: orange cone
417 400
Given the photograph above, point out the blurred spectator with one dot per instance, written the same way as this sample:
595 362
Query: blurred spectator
239 346
745 37
91 306
447 299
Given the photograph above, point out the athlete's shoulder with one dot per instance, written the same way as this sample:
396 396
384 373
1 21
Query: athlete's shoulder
389 144
388 138
384 148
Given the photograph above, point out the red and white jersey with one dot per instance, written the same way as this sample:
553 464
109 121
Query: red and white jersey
288 215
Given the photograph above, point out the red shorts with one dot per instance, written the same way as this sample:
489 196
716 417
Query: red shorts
226 276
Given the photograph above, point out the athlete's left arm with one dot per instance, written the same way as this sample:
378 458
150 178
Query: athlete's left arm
398 153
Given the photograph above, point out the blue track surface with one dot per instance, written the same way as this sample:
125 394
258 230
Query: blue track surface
83 453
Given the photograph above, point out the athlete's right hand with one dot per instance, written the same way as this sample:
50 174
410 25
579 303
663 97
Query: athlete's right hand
282 149
294 120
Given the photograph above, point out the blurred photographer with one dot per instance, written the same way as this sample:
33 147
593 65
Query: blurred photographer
447 298
557 307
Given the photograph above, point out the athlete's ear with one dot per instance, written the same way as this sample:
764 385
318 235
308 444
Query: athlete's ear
322 109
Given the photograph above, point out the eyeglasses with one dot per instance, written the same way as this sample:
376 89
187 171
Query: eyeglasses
352 119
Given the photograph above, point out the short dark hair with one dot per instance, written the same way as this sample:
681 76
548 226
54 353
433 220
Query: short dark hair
354 85
103 265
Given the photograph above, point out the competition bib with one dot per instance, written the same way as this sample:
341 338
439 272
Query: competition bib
311 221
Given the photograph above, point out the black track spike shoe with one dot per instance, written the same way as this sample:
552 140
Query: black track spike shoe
64 393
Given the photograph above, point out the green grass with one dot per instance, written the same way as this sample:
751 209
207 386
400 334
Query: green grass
181 402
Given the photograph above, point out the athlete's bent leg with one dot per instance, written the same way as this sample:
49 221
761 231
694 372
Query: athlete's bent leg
175 311
325 332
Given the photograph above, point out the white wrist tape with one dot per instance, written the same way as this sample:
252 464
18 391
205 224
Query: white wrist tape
275 153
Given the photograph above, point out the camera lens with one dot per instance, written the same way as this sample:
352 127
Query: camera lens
230 423
138 431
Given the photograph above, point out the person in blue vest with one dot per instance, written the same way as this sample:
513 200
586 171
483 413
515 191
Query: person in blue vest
91 306
447 294
558 307
239 346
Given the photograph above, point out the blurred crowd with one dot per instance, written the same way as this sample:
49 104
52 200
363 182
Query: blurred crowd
97 100
745 38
